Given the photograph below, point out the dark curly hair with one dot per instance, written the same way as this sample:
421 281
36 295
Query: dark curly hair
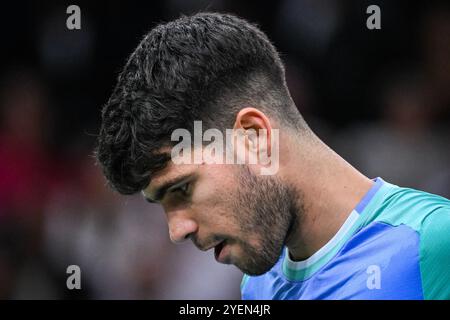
202 67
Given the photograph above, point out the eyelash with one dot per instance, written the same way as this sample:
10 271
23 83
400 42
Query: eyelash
183 189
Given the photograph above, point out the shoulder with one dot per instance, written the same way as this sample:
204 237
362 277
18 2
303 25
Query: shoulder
411 207
435 254
428 215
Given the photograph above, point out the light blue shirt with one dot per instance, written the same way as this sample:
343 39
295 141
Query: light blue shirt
395 244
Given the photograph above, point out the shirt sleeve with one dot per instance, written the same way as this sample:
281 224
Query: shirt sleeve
435 255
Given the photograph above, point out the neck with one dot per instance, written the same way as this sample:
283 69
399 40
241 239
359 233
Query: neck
329 188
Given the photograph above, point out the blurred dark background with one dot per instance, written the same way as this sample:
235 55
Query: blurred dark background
380 98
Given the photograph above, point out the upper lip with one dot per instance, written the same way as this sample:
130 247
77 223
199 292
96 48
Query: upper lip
210 247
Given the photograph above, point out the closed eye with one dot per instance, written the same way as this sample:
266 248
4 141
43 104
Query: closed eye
182 189
177 186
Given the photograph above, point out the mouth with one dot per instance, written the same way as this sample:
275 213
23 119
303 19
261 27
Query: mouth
220 252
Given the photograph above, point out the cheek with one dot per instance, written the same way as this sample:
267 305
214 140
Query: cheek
213 198
213 209
215 190
207 197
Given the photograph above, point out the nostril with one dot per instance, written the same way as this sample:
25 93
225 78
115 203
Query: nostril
180 230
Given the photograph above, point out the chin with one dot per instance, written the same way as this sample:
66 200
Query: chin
255 272
254 269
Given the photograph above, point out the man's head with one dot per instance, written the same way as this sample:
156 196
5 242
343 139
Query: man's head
223 71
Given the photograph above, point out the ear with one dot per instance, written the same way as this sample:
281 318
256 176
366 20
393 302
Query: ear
253 120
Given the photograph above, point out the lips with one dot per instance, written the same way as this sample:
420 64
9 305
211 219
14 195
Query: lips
218 250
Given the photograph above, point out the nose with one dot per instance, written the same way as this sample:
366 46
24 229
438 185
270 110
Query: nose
180 228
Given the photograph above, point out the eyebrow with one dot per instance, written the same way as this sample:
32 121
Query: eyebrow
166 186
